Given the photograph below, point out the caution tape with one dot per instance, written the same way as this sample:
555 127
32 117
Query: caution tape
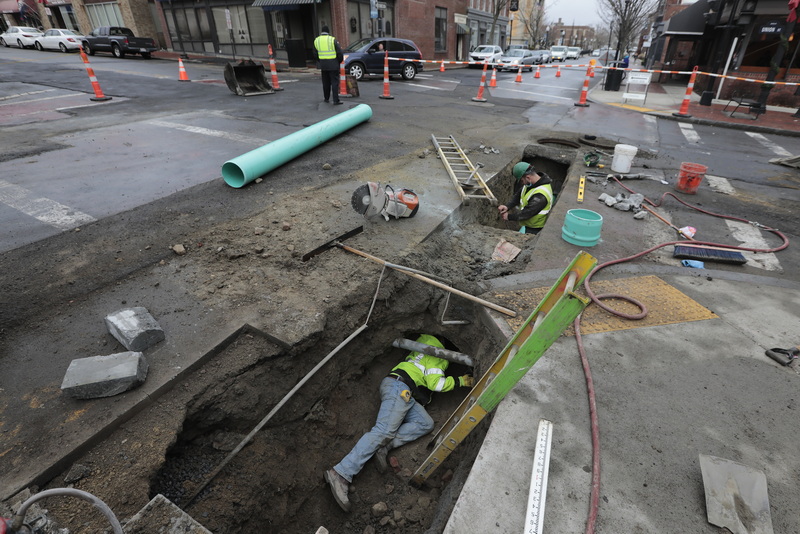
601 67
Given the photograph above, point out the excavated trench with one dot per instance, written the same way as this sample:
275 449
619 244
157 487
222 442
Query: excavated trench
274 484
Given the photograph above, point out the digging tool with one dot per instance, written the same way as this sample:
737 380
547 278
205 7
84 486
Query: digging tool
332 243
736 496
411 273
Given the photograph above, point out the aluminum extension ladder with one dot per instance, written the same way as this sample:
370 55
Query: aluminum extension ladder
465 176
557 310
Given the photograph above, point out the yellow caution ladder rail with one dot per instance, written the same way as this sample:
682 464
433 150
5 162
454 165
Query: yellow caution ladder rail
465 175
547 322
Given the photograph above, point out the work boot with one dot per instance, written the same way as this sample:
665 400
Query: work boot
339 488
381 459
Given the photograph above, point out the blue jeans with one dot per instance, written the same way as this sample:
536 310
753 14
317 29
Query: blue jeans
399 422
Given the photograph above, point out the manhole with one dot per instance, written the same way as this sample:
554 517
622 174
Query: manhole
559 142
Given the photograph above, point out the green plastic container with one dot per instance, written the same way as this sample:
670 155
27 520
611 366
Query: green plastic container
582 228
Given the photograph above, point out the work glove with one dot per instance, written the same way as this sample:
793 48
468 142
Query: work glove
466 381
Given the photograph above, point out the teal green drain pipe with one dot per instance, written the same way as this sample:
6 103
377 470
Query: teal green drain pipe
245 168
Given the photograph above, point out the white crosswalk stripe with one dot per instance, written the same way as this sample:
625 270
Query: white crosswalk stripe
752 237
689 132
777 149
720 184
209 132
45 210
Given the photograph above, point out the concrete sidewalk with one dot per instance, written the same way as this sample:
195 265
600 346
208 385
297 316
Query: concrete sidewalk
691 378
666 101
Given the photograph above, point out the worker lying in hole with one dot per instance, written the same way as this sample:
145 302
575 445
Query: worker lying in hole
534 198
402 417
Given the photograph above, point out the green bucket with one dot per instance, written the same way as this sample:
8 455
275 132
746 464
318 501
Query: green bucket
582 228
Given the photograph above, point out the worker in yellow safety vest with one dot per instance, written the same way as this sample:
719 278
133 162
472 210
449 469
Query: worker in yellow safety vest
534 198
401 417
329 57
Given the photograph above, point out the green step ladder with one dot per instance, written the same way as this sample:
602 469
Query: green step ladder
557 310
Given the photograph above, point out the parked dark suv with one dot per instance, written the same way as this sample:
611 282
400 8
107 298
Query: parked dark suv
366 57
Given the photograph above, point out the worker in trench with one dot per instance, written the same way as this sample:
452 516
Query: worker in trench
402 417
534 198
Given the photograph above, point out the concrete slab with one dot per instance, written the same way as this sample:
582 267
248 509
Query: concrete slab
135 328
104 376
161 516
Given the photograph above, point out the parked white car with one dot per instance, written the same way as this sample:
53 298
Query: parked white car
558 52
64 40
489 53
20 36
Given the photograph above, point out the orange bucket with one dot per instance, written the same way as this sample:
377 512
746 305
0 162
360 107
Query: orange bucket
689 177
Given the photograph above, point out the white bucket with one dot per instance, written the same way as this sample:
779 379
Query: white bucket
623 157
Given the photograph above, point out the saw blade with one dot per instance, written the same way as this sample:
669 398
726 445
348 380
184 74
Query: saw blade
361 199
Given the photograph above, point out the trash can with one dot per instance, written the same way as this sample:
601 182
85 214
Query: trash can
296 51
614 77
706 98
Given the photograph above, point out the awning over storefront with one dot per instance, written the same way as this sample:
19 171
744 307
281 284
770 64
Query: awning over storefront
277 3
9 6
690 21
461 29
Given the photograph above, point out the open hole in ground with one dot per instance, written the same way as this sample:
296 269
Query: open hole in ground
275 483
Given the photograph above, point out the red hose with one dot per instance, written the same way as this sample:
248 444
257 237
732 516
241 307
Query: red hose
594 499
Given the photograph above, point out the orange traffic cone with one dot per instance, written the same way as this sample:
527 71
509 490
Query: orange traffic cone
558 72
537 75
519 75
441 67
480 98
182 76
273 70
386 93
98 93
585 91
342 79
493 81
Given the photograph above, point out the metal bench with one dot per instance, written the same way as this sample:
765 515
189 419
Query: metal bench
753 106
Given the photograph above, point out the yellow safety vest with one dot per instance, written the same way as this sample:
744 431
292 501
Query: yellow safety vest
538 220
428 371
326 46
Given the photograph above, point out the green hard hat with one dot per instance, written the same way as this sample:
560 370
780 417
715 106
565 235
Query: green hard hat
520 169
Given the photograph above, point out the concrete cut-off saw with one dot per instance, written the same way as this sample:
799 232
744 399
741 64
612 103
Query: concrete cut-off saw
373 199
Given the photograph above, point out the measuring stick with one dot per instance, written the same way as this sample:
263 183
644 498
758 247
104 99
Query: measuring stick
534 520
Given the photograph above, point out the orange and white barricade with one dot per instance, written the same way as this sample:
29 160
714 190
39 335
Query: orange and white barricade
480 98
98 93
386 95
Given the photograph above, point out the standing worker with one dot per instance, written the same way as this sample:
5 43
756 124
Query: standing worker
401 416
329 57
534 198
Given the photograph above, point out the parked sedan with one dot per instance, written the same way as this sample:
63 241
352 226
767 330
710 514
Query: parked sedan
20 36
489 53
514 59
547 57
64 40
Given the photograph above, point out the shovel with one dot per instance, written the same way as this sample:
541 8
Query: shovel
736 496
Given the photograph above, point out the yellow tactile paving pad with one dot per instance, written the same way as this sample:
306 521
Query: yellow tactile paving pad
665 305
